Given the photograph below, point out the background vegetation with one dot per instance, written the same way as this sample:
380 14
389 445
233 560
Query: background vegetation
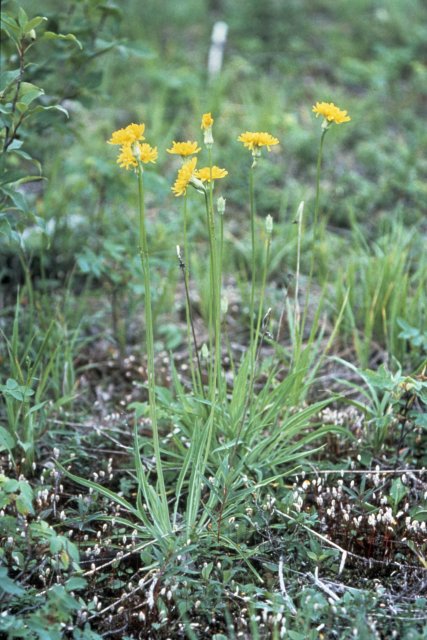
324 526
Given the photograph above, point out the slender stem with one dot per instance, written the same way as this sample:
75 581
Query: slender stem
214 302
262 294
210 181
253 257
218 282
190 324
184 265
215 278
315 231
220 261
9 139
185 231
297 275
319 166
143 252
211 287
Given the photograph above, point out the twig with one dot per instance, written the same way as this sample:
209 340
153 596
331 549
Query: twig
283 588
123 598
324 587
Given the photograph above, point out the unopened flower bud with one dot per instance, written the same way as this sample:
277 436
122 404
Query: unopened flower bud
220 205
208 137
197 184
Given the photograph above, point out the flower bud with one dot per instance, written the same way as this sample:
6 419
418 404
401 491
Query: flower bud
269 225
208 137
204 351
220 205
197 184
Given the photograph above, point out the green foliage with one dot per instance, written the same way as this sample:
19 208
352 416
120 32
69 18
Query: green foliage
44 55
390 400
386 284
40 357
21 101
36 547
416 338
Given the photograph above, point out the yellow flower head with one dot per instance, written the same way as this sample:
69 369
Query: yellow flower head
207 121
185 174
184 149
126 159
147 153
205 175
129 154
130 134
255 140
330 112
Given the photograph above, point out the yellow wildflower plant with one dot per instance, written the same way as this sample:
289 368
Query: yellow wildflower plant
132 151
206 174
255 140
330 112
128 135
207 121
184 149
185 175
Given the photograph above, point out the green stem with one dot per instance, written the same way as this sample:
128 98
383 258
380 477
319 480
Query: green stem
257 342
215 297
215 307
319 166
211 320
185 267
263 286
218 328
315 233
190 329
217 279
297 275
143 252
253 257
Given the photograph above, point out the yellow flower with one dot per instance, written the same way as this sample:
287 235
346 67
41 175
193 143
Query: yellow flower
130 134
185 174
184 149
204 174
128 156
330 112
207 121
147 153
126 159
255 140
